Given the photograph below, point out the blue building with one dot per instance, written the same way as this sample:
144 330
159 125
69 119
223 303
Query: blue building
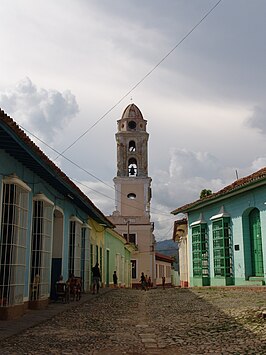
45 224
227 234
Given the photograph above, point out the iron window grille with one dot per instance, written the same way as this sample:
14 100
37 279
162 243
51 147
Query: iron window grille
92 262
200 250
74 258
41 245
14 228
101 261
134 269
85 254
222 247
131 236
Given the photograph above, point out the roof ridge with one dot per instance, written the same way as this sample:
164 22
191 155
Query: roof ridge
20 133
244 181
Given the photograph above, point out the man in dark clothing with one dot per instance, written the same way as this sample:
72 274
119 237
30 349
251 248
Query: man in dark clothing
96 277
115 279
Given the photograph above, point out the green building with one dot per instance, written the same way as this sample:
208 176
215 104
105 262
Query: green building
117 258
227 234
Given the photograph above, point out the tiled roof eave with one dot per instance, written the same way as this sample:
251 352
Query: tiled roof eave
220 195
46 167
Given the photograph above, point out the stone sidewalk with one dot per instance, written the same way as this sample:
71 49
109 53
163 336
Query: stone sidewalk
34 317
171 321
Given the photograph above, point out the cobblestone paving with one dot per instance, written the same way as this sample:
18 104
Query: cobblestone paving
171 321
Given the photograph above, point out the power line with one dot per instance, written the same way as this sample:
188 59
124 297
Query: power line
141 80
165 234
92 175
118 102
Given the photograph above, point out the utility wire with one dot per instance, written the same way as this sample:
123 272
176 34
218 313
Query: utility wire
118 102
141 80
94 176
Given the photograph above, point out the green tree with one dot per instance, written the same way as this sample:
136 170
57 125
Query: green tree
205 193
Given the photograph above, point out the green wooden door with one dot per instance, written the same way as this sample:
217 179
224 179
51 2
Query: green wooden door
256 243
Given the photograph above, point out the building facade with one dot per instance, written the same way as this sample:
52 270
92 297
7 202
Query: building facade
133 192
49 227
180 236
163 269
118 258
227 234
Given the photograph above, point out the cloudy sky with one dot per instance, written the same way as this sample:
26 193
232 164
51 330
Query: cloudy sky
64 64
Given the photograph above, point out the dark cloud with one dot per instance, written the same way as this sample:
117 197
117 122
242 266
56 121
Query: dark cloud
258 119
44 112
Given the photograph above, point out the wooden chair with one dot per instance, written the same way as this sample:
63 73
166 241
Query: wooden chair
75 286
62 292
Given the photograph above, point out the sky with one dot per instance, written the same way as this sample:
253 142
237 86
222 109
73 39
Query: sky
66 67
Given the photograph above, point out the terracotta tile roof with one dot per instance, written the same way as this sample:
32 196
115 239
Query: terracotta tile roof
60 176
162 257
236 186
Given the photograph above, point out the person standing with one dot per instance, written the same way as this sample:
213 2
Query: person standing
143 281
163 282
115 279
96 277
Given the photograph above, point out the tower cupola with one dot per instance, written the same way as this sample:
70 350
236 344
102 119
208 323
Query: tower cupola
132 144
131 120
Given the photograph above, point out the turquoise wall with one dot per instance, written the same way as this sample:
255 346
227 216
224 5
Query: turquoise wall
238 207
9 165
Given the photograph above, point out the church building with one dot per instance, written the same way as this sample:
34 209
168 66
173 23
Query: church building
133 192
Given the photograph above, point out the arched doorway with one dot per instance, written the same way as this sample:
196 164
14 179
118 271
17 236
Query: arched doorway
256 243
57 249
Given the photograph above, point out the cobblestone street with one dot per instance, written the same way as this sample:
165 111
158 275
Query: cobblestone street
171 321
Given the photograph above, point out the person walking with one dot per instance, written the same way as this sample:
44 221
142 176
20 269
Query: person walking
96 277
115 279
143 281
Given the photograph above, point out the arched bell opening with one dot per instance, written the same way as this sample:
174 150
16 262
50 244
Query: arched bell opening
132 167
132 146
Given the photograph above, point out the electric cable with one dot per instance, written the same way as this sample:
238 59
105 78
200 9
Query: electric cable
120 100
92 175
141 80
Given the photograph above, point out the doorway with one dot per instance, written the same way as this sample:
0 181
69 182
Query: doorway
57 250
256 243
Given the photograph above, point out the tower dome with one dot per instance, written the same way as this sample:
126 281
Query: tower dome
132 111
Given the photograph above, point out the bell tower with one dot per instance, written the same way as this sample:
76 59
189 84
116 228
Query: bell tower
133 191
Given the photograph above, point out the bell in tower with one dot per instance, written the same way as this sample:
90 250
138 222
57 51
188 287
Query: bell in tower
132 143
133 190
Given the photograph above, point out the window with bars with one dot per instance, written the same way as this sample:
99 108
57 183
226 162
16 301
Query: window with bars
92 263
122 269
14 226
74 256
222 248
161 270
41 245
97 254
200 250
101 261
118 266
132 237
168 271
85 257
134 269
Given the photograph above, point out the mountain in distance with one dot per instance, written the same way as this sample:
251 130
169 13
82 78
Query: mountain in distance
170 248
